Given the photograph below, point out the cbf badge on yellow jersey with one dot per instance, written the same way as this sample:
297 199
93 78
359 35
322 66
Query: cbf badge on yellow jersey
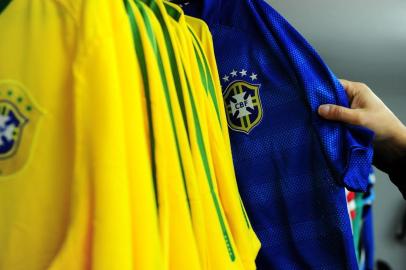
19 117
242 100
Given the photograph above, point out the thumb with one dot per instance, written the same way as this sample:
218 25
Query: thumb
338 113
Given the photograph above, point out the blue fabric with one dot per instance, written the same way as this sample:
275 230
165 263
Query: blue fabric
291 165
368 240
367 235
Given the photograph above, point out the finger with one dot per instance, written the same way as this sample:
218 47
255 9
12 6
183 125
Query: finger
348 87
345 83
338 113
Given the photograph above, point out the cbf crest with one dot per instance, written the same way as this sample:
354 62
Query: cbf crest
19 117
242 100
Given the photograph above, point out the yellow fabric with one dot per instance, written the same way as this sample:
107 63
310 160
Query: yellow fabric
190 172
173 167
218 256
203 33
247 242
73 204
146 251
91 135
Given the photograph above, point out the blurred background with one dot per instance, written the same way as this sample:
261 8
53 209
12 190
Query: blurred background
364 40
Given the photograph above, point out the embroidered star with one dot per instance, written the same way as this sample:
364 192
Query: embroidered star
243 73
254 76
226 78
234 73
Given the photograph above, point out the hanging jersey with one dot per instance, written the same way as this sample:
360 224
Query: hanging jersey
220 248
246 240
170 147
351 204
367 260
146 250
360 207
221 252
290 164
202 32
61 146
366 245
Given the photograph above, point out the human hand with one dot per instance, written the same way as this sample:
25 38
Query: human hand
369 111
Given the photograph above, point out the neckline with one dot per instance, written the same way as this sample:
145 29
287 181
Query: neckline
174 11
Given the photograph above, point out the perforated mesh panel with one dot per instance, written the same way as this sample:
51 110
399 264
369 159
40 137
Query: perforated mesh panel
291 168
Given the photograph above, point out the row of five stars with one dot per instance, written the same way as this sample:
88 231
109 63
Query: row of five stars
243 73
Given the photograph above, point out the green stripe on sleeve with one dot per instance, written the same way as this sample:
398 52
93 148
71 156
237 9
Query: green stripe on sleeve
199 133
143 66
152 39
209 79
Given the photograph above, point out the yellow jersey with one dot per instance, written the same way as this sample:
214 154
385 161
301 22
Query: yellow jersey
221 253
68 170
220 153
172 152
246 241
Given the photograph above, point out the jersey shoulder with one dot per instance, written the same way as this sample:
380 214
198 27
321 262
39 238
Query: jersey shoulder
198 25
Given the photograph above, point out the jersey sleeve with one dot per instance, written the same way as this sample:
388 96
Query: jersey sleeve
348 149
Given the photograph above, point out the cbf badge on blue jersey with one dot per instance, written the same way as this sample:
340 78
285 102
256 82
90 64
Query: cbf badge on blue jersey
19 117
242 100
290 172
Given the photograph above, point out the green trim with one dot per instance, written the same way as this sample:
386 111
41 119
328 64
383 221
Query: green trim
245 215
357 224
153 5
209 79
143 66
4 4
202 71
204 156
152 39
173 12
173 64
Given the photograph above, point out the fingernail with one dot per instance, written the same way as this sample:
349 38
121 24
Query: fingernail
324 109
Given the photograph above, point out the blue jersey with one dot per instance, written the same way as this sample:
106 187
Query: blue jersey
367 242
366 246
291 165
